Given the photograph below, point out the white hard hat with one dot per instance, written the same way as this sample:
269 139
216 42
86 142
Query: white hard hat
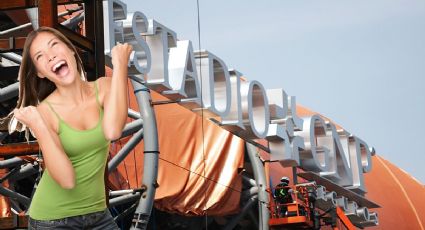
284 179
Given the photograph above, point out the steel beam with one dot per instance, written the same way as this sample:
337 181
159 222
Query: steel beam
94 32
49 10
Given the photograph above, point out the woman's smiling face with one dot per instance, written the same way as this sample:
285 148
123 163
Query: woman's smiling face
53 59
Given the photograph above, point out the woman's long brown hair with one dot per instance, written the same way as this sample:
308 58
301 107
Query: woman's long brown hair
33 89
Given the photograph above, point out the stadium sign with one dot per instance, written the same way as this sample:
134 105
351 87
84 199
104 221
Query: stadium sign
171 67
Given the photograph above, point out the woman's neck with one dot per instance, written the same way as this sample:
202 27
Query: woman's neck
75 93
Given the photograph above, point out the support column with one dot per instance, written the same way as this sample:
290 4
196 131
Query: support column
260 178
151 151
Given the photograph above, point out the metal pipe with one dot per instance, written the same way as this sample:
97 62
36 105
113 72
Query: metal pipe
121 192
27 170
12 162
14 29
15 207
151 151
123 199
14 195
73 22
248 193
131 128
134 114
127 191
260 178
250 181
125 150
12 57
246 208
9 92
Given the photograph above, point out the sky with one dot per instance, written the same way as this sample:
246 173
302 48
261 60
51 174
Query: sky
359 63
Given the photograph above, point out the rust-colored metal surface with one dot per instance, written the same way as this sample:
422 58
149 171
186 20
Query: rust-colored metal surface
293 221
49 10
21 4
12 44
19 149
91 44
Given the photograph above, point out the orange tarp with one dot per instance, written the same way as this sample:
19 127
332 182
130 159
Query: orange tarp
198 166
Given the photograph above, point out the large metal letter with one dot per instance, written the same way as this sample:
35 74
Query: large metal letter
361 162
339 165
159 39
255 110
113 12
140 60
315 157
233 121
183 76
215 84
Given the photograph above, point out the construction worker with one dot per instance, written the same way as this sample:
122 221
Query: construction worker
283 195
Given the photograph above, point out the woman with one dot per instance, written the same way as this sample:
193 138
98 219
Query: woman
74 122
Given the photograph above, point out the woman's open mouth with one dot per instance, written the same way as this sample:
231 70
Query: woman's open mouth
61 68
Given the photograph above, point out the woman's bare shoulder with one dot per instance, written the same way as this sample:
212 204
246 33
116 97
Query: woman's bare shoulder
104 83
46 112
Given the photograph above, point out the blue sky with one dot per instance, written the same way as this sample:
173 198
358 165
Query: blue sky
360 63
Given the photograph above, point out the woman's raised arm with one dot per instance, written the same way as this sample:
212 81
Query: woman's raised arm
115 93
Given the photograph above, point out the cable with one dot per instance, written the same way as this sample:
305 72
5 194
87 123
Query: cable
198 174
125 167
115 173
202 113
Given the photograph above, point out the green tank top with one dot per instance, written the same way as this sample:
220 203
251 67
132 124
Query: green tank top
88 151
